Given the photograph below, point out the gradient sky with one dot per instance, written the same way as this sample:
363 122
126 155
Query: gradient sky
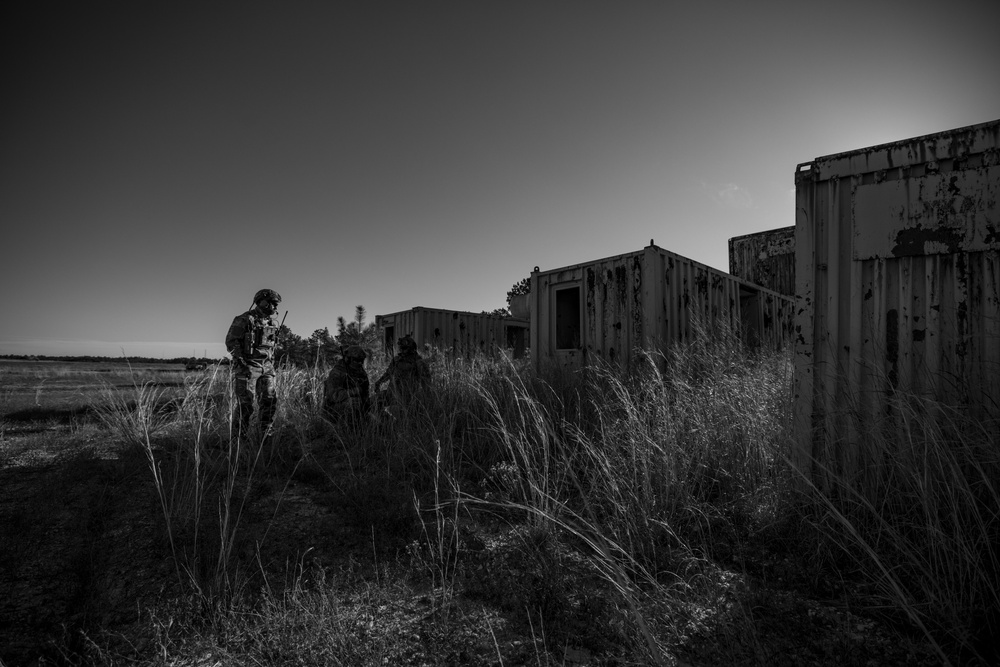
160 162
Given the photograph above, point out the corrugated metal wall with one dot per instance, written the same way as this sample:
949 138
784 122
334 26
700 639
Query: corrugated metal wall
646 299
456 332
766 259
897 281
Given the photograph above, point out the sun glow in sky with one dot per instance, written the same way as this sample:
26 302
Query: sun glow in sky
160 162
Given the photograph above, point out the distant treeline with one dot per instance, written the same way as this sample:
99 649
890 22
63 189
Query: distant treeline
135 360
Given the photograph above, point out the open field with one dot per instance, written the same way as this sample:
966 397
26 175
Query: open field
29 388
54 397
501 519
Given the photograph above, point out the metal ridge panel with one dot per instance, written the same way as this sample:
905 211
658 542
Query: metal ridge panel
926 138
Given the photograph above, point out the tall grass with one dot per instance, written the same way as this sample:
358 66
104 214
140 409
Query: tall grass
624 463
607 497
202 476
699 431
920 518
669 461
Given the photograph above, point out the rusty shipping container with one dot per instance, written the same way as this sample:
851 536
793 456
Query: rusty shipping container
647 299
455 332
897 276
766 259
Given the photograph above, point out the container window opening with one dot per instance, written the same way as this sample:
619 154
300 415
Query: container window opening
568 310
390 340
516 340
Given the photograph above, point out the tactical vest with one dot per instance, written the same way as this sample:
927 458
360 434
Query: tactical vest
260 338
407 368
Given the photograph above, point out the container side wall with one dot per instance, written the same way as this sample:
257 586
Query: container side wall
456 333
648 299
897 290
401 324
766 259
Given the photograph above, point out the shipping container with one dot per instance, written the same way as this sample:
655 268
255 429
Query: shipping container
766 259
898 305
455 332
649 299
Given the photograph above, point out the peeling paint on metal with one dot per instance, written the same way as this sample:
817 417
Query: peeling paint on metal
897 264
766 259
455 332
651 299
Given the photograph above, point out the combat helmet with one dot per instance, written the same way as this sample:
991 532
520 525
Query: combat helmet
407 344
355 353
268 294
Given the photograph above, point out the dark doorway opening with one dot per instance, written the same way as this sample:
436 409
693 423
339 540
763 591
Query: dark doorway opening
568 318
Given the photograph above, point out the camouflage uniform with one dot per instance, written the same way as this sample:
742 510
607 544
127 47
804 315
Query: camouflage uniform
407 372
251 341
346 396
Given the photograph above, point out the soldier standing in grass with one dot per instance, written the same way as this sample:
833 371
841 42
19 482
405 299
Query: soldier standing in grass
251 341
346 396
407 373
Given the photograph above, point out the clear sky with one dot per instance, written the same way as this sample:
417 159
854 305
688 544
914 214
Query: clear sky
162 161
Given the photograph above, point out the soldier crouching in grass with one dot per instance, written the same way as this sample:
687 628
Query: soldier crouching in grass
251 341
346 391
408 375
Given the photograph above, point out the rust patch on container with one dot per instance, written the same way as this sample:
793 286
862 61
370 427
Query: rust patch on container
590 302
932 209
766 259
637 313
915 241
892 347
621 282
701 281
